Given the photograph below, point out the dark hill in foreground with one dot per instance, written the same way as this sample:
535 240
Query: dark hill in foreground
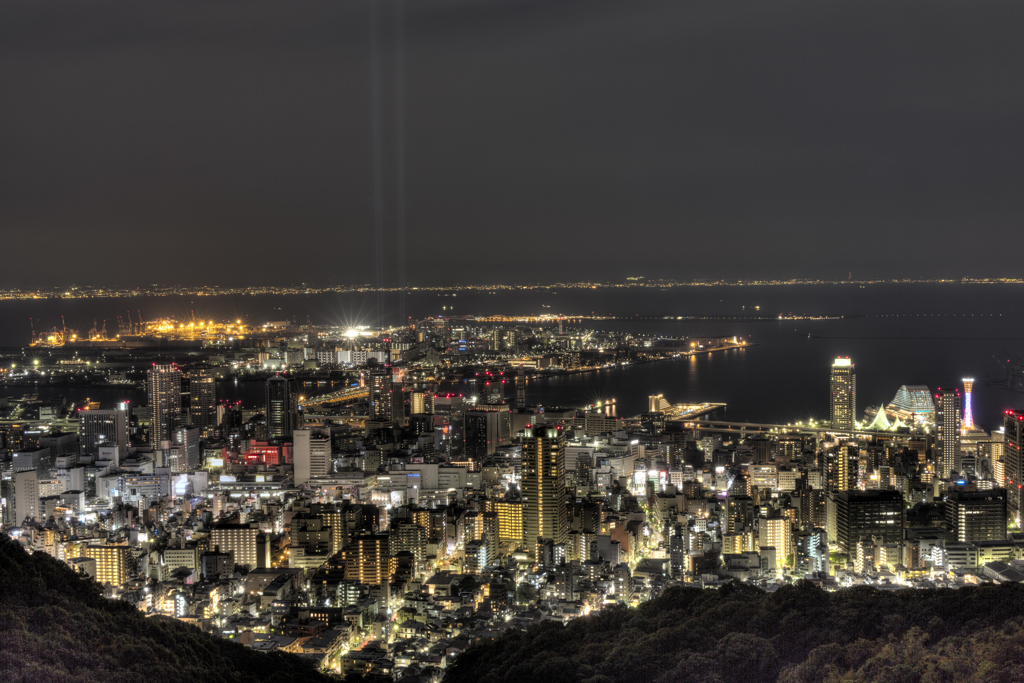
56 627
799 634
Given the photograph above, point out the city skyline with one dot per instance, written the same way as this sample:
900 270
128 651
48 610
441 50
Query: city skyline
392 470
488 341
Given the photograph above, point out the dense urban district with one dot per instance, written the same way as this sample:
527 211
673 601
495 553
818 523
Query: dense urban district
397 500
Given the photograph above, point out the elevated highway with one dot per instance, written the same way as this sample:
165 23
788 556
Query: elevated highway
764 428
347 395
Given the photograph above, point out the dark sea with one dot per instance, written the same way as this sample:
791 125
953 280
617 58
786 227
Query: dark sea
934 334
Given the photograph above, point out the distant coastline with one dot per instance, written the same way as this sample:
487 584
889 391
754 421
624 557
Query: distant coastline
92 292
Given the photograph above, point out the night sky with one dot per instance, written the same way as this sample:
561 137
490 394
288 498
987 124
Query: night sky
231 142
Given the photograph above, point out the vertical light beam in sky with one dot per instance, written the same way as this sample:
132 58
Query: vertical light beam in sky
400 152
378 155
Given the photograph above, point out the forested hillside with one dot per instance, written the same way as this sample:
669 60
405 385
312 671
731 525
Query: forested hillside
799 634
55 626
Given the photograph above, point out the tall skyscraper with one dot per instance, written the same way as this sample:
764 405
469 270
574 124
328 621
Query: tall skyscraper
381 394
164 388
997 464
1013 439
968 413
844 394
450 420
281 408
418 402
520 388
26 497
202 404
103 428
185 449
545 517
481 433
846 467
397 401
948 427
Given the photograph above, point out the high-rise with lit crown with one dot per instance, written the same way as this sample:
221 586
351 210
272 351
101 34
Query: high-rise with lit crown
163 385
844 394
948 427
545 517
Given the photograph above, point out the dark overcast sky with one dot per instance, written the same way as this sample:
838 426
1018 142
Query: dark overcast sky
230 142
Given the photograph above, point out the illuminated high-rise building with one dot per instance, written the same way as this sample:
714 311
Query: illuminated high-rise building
163 384
997 465
435 522
240 540
545 517
367 559
481 433
741 511
948 427
776 532
968 413
281 408
202 400
974 516
420 402
26 496
187 456
103 428
450 420
333 516
113 562
493 390
381 394
1013 440
844 394
510 521
846 467
311 454
868 513
520 388
408 536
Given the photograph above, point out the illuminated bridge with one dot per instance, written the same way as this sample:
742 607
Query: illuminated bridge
341 396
